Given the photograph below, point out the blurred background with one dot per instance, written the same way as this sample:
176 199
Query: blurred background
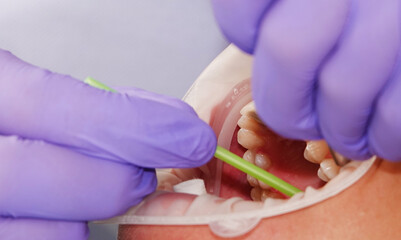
158 45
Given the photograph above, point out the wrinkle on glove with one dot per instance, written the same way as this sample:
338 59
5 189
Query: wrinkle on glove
324 69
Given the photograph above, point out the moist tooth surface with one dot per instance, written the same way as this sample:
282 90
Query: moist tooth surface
251 136
249 139
316 151
329 168
322 176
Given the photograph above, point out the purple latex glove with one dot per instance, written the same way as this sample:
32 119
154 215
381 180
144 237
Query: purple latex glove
71 152
18 229
324 69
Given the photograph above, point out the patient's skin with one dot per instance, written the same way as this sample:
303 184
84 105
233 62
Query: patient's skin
369 209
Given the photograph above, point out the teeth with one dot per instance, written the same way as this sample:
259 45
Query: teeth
250 123
269 194
316 151
249 139
256 193
249 110
329 168
263 185
262 161
322 176
252 181
249 156
250 136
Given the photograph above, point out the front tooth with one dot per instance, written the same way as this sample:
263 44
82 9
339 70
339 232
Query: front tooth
269 194
316 151
256 193
252 181
250 123
249 139
322 176
329 168
249 110
262 161
263 185
249 156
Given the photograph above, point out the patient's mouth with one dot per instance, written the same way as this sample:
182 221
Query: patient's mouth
305 165
235 121
235 203
281 157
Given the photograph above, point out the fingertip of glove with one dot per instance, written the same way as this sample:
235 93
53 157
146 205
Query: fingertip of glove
355 153
300 130
202 146
207 146
387 153
6 57
183 106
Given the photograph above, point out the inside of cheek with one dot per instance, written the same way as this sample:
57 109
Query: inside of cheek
287 163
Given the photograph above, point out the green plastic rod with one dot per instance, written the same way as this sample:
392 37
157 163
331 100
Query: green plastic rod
255 171
232 159
92 82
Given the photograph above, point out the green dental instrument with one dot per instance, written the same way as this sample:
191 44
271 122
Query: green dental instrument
232 159
92 82
255 171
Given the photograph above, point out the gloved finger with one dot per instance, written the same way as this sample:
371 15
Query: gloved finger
354 75
41 180
22 229
384 133
291 46
240 20
62 110
174 102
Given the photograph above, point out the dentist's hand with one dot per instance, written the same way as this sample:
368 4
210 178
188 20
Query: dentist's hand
70 153
324 69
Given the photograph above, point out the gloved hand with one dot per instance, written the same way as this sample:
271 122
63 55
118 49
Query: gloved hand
324 69
70 153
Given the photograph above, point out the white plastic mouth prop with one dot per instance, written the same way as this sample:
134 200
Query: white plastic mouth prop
197 196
